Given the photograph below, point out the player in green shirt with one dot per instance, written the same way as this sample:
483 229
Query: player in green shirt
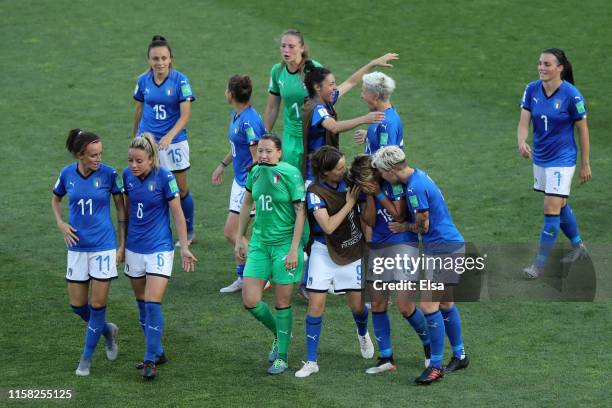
287 84
275 250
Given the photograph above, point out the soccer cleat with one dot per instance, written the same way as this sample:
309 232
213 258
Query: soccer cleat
579 252
383 364
149 370
457 364
366 346
84 366
112 348
159 360
310 367
427 351
190 239
273 354
278 367
430 375
302 292
234 287
533 272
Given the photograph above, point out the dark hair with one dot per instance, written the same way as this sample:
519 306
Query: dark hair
240 87
361 171
159 41
268 136
324 159
300 37
567 74
78 140
314 76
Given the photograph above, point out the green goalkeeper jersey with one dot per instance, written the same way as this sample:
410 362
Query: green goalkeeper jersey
290 87
275 189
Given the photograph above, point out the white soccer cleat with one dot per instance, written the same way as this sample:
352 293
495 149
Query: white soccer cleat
234 287
366 346
532 272
83 368
580 252
112 348
310 367
384 364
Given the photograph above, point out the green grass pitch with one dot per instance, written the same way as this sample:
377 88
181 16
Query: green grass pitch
462 71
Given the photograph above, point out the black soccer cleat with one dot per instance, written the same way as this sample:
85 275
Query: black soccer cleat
457 364
430 375
149 370
159 360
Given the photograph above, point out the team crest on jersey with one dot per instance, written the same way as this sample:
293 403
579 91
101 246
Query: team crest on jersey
557 104
169 91
151 186
276 178
97 182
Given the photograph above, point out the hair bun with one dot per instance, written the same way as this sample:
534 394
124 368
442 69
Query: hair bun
158 38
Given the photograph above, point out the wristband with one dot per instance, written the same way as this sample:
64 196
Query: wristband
380 196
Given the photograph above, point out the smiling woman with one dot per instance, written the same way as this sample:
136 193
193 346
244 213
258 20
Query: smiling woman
90 238
163 108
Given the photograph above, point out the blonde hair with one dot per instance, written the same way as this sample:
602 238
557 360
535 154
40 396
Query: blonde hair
388 158
379 84
361 171
145 141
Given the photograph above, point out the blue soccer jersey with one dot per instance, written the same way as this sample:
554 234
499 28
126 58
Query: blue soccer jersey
422 194
244 132
316 202
381 232
149 223
161 103
89 205
316 134
553 120
389 132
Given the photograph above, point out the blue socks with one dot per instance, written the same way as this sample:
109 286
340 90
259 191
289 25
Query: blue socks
382 332
84 313
569 225
188 210
154 322
361 320
240 270
142 314
435 325
419 324
313 333
548 237
97 321
452 325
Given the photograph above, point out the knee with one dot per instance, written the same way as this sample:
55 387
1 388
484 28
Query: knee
316 309
379 306
406 308
446 305
249 302
428 308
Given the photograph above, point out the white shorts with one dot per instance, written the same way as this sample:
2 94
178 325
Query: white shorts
175 157
100 265
236 198
323 271
555 181
156 264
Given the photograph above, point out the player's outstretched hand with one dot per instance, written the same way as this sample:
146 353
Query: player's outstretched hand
585 173
291 260
525 150
189 260
360 136
374 117
69 233
384 60
217 176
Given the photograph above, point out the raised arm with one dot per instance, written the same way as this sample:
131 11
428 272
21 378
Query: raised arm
336 126
354 79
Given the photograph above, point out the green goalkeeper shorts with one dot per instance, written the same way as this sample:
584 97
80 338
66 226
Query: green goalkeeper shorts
267 262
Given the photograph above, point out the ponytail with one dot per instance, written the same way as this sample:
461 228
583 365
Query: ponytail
146 142
567 74
78 139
